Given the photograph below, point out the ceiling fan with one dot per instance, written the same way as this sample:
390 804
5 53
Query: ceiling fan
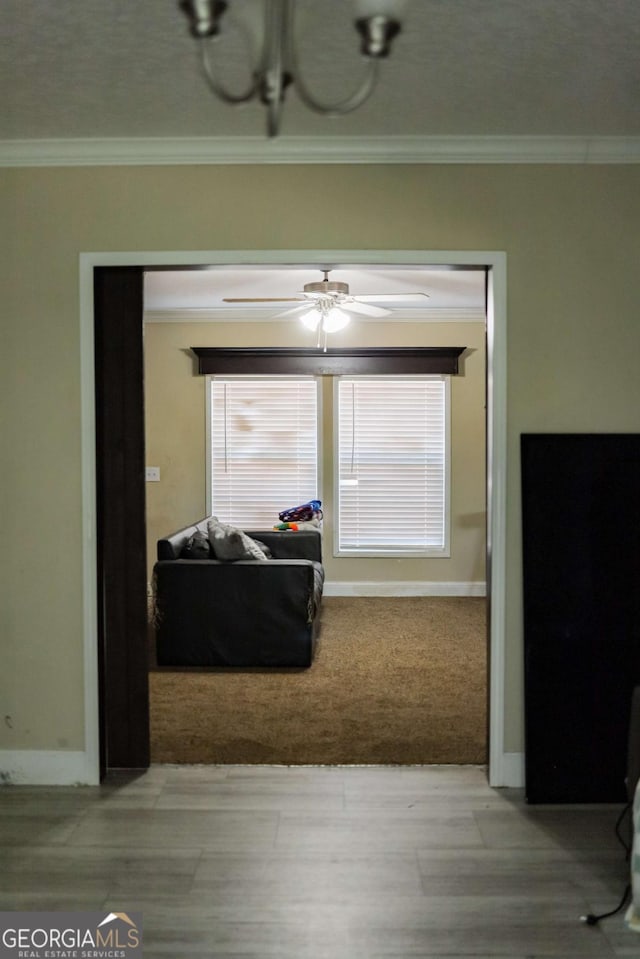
326 304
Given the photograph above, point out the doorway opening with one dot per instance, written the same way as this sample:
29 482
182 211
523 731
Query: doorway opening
115 272
403 607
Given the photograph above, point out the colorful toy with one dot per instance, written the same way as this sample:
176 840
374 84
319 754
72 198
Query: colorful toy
296 514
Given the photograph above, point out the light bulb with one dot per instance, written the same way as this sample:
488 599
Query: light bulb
378 22
335 319
311 319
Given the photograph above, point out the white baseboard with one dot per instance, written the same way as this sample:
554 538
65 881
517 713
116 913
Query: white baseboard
35 767
404 589
508 772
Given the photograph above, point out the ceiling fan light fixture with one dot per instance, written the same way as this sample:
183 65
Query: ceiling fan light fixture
328 319
335 319
311 319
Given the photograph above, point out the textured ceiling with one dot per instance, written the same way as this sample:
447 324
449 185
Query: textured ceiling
89 73
128 69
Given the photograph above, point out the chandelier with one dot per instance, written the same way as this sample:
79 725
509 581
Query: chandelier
377 22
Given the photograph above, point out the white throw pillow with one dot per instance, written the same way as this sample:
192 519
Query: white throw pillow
229 543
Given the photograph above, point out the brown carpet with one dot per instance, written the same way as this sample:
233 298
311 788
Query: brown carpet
394 681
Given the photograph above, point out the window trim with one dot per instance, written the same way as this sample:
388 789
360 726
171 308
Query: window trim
339 361
443 552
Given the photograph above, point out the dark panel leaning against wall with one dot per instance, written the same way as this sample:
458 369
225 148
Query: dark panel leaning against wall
581 604
120 494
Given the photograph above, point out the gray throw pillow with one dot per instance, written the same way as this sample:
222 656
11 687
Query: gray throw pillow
229 543
197 547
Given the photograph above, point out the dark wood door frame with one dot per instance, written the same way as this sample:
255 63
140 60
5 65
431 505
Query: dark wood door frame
121 522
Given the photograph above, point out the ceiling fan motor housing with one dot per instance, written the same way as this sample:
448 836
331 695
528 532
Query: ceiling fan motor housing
326 288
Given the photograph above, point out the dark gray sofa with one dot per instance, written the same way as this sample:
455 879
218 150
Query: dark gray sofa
258 613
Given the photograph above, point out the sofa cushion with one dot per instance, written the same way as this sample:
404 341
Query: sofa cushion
229 543
263 546
197 547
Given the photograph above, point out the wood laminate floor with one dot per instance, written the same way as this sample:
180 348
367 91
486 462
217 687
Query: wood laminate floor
254 862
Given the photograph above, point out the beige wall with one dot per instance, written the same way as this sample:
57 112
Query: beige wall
572 238
175 438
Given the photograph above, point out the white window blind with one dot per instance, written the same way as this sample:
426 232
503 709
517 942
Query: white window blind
263 447
393 464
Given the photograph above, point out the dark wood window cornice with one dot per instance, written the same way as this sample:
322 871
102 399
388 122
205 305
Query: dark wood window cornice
332 362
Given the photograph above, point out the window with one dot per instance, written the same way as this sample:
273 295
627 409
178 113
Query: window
392 462
262 447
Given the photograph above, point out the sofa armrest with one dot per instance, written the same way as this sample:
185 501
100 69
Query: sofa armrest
170 547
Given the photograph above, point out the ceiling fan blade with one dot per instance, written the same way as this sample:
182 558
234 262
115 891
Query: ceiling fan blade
393 297
293 311
265 299
365 308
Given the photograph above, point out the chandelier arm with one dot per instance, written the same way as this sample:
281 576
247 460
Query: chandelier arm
351 102
215 85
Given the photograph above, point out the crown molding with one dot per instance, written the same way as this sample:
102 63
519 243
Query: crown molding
265 315
357 150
